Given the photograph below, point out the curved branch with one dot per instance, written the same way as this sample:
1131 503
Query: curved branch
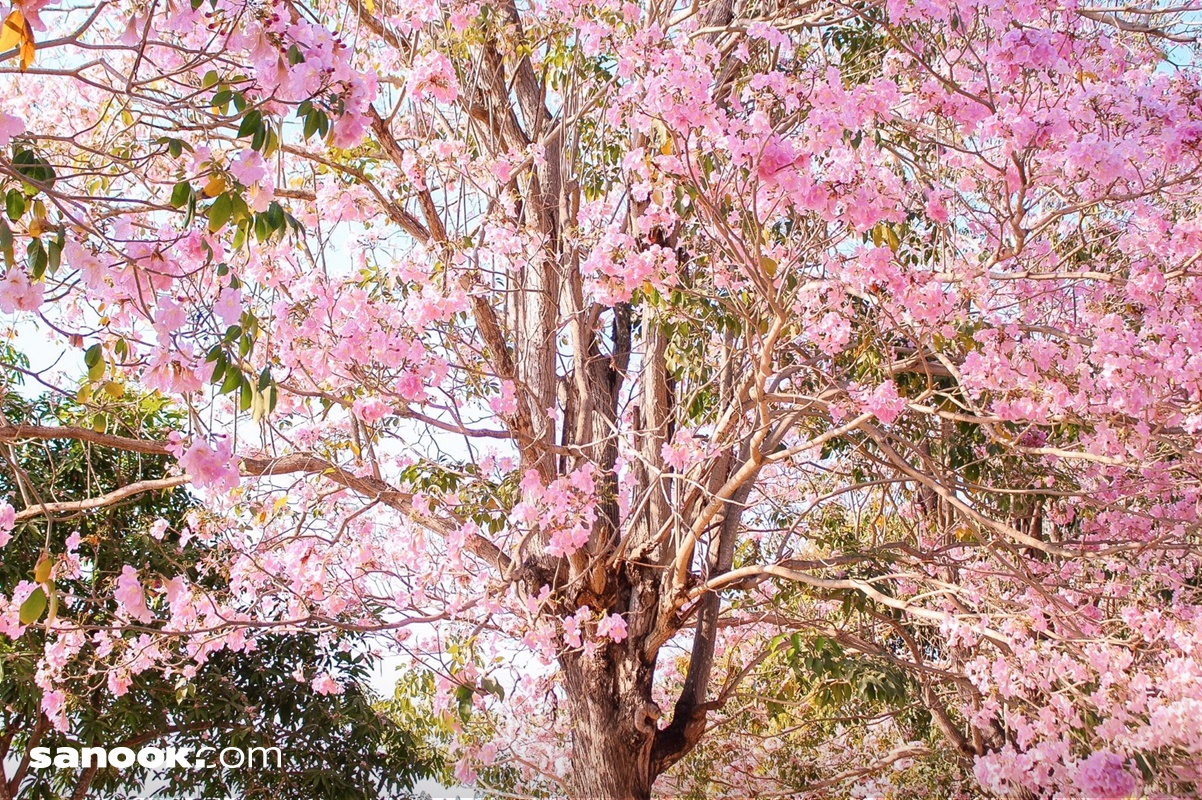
372 488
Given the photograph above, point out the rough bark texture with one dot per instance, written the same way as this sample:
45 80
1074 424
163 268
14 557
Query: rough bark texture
608 695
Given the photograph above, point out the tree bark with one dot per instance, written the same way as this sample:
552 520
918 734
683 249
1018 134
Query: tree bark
613 723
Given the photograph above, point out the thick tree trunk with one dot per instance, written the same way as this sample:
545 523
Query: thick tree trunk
613 724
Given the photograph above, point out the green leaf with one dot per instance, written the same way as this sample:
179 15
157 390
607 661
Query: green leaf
14 204
262 227
180 194
233 379
190 214
33 607
247 394
34 169
210 79
250 123
54 256
240 235
219 369
259 139
6 242
311 122
220 212
92 356
38 260
275 216
271 143
241 209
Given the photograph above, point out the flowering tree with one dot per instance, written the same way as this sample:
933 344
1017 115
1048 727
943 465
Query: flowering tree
98 690
669 375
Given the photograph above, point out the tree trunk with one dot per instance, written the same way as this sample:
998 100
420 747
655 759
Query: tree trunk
613 723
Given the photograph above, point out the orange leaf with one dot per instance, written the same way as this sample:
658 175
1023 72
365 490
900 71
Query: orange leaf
13 33
17 34
27 51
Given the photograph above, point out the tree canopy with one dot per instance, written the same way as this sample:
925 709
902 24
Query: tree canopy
110 683
738 397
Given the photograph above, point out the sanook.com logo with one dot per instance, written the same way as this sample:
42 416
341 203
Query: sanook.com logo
154 758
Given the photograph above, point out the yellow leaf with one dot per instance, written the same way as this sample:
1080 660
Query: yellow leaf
52 612
662 138
371 7
768 265
215 186
13 32
891 238
41 573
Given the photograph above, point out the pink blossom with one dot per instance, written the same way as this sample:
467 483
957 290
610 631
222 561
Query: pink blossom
158 528
132 35
54 706
10 126
118 682
249 168
433 75
325 684
464 773
682 451
129 596
777 155
228 307
211 467
487 754
1104 775
885 403
613 626
573 629
371 410
507 402
8 520
18 293
170 316
410 387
